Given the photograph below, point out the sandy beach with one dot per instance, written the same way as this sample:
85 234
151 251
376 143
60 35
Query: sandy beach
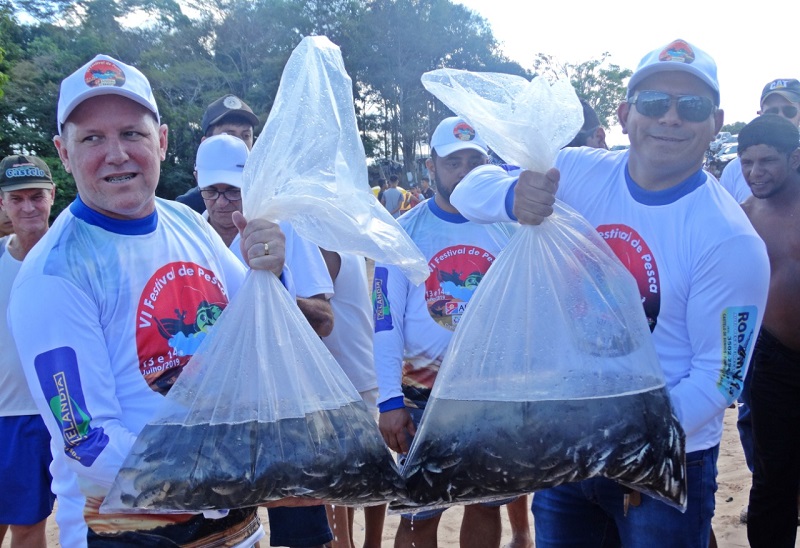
734 485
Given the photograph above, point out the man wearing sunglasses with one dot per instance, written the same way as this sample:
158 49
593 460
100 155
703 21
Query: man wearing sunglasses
781 97
686 242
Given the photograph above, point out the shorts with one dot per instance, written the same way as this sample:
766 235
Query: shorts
298 526
25 496
416 416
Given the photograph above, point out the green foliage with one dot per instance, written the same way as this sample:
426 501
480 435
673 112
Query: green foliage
390 58
734 128
194 51
595 81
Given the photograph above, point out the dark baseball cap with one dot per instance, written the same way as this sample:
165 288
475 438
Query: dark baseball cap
788 88
18 172
224 107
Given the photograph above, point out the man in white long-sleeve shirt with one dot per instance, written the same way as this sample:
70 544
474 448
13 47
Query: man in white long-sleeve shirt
702 271
414 324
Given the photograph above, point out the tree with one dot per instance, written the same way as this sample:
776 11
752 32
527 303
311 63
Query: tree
8 28
734 128
239 47
399 40
600 85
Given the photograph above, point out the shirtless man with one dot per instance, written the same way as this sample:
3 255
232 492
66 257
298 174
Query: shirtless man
770 157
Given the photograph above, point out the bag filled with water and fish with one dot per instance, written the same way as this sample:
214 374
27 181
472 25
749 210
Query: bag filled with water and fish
263 411
279 420
552 375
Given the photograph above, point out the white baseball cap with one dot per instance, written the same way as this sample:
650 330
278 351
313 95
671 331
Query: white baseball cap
104 75
454 134
221 159
678 55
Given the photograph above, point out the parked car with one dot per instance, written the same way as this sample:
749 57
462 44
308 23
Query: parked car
717 162
727 153
721 138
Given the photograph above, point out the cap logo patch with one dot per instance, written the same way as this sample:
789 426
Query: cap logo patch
104 73
463 132
232 103
778 84
678 51
25 170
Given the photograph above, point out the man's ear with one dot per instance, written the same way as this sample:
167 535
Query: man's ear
61 148
431 167
794 161
719 120
623 110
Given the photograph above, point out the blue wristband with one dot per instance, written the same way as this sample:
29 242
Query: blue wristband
510 200
391 404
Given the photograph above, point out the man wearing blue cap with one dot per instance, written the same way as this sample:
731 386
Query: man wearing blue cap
691 241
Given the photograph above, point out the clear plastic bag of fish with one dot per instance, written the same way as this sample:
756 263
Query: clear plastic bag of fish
552 376
262 411
255 423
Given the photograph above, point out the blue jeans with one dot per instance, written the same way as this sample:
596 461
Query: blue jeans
590 513
775 399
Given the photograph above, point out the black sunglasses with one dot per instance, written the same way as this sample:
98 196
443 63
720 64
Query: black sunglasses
787 110
655 104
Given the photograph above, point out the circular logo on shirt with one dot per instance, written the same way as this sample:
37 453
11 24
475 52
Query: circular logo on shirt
455 273
178 306
635 254
104 73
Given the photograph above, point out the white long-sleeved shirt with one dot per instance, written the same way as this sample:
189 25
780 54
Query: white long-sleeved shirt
702 270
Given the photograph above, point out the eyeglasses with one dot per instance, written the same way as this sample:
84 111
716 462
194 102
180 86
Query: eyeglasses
788 111
232 194
655 104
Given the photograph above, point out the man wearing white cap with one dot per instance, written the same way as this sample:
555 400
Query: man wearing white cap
414 323
703 306
220 164
227 115
91 307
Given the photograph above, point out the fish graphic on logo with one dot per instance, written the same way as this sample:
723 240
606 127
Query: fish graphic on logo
104 73
455 274
678 51
463 132
178 306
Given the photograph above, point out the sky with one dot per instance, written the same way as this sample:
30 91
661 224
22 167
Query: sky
752 43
